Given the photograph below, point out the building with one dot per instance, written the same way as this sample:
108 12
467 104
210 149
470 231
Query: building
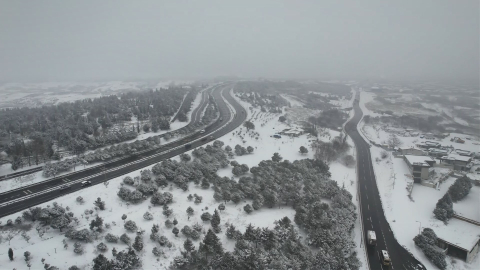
435 152
411 151
419 166
428 145
457 162
463 152
294 132
463 243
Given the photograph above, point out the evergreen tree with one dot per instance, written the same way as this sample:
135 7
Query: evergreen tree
215 219
175 231
188 245
248 208
10 254
138 244
276 157
211 245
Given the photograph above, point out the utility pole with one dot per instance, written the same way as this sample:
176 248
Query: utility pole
394 177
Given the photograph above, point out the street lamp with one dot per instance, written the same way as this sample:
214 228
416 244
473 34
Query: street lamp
419 226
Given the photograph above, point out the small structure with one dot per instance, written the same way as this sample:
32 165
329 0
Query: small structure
412 151
293 132
419 166
428 145
463 152
457 162
459 239
436 152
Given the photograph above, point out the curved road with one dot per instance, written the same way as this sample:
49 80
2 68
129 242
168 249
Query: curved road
23 198
371 206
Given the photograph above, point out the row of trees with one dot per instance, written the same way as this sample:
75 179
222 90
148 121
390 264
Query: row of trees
330 151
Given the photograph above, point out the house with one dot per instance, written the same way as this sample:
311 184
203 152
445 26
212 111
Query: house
463 152
435 152
294 132
463 243
411 151
428 145
419 166
458 162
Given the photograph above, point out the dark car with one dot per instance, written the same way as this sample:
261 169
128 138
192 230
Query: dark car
188 146
86 183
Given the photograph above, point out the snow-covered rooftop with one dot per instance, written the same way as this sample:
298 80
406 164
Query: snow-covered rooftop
457 157
419 159
459 233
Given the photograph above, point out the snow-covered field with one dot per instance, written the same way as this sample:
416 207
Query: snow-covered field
51 246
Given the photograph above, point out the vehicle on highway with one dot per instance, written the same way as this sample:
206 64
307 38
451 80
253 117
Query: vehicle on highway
188 146
202 131
385 258
221 118
211 138
86 183
64 187
371 238
204 139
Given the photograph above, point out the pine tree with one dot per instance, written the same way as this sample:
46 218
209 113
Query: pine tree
175 231
188 245
211 245
248 208
138 244
215 219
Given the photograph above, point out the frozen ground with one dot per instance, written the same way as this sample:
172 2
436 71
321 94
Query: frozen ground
52 249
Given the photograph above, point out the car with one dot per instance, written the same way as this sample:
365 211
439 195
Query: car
202 131
204 139
188 146
86 183
221 118
385 258
65 187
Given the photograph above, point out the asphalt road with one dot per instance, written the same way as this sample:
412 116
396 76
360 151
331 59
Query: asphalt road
372 214
23 198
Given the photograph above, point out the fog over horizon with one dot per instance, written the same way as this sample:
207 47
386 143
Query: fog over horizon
118 40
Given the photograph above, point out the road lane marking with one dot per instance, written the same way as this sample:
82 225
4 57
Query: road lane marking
25 192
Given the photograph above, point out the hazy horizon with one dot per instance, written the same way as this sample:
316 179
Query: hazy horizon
122 40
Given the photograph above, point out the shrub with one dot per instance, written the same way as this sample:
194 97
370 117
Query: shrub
110 238
102 247
130 225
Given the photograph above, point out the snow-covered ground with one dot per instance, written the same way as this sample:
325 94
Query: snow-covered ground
266 124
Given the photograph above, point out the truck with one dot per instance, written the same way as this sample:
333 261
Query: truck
371 238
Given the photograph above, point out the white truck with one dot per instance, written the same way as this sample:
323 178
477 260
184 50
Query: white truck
371 238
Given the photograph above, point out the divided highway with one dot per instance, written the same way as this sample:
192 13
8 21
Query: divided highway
26 197
371 209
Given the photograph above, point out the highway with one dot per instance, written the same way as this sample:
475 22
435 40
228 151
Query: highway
26 197
371 209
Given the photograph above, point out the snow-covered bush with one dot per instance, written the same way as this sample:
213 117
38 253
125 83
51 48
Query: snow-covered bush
148 216
125 239
110 238
130 226
78 248
460 188
102 247
128 181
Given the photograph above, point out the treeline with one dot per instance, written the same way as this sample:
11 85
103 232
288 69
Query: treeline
425 124
85 124
332 119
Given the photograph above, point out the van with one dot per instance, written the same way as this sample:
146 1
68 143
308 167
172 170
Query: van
385 258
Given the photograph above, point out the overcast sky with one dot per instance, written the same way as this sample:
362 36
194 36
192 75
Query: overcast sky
104 40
